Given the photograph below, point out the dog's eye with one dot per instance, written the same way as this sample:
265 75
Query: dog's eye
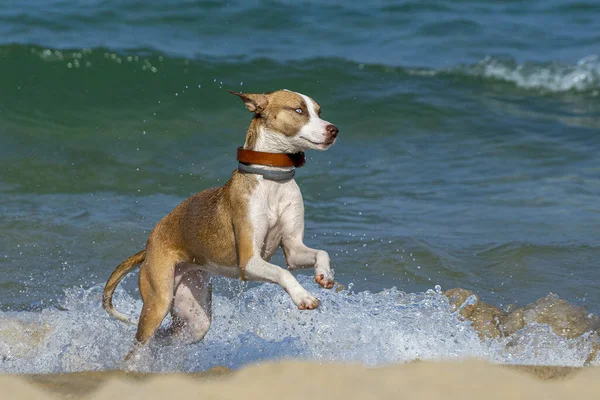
299 110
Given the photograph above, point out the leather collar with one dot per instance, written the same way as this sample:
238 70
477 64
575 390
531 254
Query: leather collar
246 156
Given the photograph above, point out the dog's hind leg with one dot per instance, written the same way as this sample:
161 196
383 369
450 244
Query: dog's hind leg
192 305
156 288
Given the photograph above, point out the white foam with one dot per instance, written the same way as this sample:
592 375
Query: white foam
546 77
554 77
262 323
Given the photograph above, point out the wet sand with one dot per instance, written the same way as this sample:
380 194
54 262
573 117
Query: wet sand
468 379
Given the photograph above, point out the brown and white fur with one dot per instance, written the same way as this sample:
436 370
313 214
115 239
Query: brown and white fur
233 230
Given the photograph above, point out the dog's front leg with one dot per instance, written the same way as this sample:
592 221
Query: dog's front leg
258 269
254 268
298 255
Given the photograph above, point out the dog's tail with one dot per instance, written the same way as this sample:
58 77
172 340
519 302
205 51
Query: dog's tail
118 274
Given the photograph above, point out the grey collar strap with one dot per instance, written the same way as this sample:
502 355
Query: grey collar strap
272 175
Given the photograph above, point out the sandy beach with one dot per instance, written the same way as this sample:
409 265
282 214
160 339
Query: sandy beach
470 379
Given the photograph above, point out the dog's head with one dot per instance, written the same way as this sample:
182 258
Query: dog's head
286 122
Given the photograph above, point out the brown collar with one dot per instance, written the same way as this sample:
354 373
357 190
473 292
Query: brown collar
270 159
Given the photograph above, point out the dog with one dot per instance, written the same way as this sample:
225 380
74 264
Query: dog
235 229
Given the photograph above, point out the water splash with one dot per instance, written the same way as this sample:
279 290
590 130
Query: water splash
262 323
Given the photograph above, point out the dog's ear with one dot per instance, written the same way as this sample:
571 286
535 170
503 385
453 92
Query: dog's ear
255 102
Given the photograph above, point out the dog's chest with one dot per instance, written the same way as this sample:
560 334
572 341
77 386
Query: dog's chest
272 207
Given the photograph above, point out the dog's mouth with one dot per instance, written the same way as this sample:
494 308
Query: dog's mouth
325 144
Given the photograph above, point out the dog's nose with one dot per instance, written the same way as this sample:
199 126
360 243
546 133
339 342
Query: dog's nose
332 130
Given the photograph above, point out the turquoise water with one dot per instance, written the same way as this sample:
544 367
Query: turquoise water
469 148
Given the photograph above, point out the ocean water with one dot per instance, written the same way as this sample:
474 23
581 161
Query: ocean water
468 156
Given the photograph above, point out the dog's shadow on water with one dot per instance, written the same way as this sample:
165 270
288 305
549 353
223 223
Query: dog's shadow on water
255 349
246 348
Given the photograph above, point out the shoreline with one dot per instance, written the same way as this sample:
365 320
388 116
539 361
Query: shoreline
424 379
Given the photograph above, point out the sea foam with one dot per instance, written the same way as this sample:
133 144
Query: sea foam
261 323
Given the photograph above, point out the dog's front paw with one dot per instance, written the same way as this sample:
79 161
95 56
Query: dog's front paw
325 280
307 302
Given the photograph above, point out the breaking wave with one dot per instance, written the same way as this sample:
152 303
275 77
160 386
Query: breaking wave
552 77
159 77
